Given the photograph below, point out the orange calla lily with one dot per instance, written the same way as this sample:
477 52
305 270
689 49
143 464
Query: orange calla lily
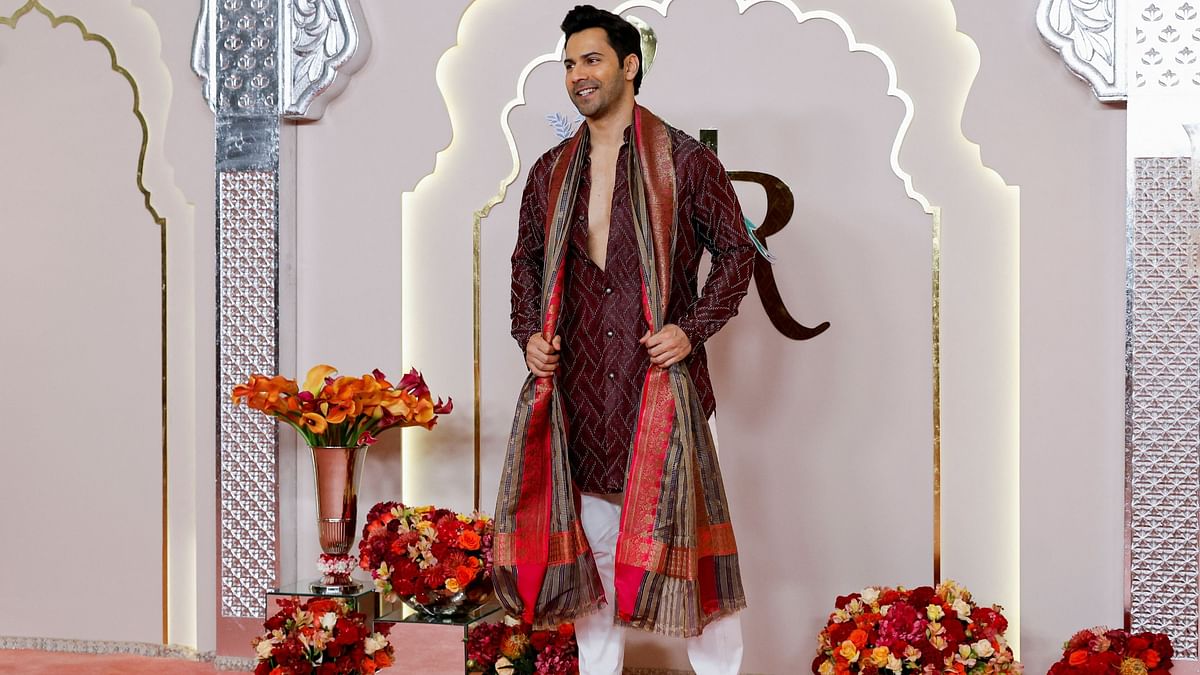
340 410
316 378
313 423
336 412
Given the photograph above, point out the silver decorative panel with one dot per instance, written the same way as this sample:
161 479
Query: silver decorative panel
1091 38
247 338
276 57
259 60
1166 44
1163 404
323 38
244 39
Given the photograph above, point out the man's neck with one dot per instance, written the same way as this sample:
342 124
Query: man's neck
609 131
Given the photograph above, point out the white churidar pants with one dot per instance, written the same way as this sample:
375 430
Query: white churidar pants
716 651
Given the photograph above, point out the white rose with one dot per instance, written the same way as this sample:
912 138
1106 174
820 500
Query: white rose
961 608
894 664
374 643
983 648
870 595
328 620
264 649
934 612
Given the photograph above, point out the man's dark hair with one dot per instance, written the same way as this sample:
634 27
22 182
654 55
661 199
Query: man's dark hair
622 36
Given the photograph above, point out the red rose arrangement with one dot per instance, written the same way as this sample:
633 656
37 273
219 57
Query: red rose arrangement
427 554
320 636
516 649
892 631
1100 651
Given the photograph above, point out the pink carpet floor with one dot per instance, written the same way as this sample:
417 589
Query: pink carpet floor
28 662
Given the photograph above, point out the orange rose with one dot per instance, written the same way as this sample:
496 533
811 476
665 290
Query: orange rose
1151 658
469 540
367 665
859 637
465 574
382 659
1078 657
323 605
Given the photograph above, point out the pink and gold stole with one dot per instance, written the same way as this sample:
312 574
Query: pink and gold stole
676 559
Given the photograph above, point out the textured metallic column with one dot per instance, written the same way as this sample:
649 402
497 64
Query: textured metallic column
1163 407
261 61
247 157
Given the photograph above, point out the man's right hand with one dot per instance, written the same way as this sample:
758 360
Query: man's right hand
542 356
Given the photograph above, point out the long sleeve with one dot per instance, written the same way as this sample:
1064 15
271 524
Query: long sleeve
528 255
720 228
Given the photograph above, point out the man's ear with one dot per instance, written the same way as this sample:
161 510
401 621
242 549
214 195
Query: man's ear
632 64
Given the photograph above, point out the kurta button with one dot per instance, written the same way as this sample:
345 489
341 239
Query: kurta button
608 291
612 376
609 333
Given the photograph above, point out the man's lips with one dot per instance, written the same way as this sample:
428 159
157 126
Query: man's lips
586 91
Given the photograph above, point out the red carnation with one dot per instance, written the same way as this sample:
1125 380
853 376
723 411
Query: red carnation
844 600
921 596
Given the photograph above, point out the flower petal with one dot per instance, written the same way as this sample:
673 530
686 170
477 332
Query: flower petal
316 377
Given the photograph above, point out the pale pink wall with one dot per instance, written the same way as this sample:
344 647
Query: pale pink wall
1043 129
82 340
824 125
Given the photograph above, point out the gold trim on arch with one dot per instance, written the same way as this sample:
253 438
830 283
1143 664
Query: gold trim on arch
88 36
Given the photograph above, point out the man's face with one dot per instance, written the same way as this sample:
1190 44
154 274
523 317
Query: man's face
596 79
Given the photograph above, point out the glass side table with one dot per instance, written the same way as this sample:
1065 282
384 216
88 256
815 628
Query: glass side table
365 600
434 645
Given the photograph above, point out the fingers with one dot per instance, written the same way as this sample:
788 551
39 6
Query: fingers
668 346
541 356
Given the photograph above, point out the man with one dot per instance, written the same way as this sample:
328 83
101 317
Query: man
611 493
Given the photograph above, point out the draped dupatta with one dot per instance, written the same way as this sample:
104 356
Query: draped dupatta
676 559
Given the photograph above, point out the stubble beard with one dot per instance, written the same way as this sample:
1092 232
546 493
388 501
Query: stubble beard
602 101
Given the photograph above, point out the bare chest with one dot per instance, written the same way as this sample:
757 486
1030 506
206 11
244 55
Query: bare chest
603 173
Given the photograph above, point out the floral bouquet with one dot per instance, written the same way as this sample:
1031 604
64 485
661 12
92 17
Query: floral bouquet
427 556
343 411
922 630
515 649
321 636
1100 651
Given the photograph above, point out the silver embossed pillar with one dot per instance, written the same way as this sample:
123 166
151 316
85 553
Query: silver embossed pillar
261 61
1164 403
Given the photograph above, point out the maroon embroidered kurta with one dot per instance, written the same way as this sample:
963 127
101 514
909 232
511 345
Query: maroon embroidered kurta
603 365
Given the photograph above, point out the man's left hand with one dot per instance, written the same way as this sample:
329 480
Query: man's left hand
668 346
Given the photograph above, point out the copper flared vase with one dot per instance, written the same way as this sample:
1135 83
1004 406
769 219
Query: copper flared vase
337 472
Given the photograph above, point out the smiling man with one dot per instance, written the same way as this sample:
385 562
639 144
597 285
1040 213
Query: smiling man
611 494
